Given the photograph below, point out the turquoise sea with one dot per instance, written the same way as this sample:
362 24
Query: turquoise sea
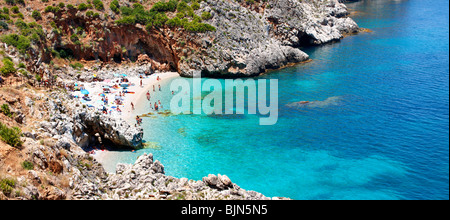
381 132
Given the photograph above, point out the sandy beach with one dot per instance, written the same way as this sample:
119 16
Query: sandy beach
96 96
133 93
140 92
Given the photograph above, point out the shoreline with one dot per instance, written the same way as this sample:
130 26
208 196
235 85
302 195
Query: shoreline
128 115
147 83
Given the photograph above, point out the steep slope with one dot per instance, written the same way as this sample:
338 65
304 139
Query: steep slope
229 38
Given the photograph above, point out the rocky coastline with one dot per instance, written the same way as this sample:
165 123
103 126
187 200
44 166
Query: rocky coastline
62 169
250 40
253 39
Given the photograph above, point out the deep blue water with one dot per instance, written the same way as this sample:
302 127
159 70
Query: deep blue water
382 131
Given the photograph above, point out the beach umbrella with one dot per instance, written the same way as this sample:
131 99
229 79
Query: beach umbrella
84 92
124 75
102 95
124 85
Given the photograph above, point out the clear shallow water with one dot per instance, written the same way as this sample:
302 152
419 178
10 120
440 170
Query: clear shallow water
384 136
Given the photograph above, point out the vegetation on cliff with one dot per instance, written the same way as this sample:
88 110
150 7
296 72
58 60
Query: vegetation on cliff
10 136
63 33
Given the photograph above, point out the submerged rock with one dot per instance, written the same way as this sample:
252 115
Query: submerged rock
331 101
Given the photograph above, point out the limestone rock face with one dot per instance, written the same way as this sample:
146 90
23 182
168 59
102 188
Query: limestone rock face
115 130
252 39
145 179
81 127
249 39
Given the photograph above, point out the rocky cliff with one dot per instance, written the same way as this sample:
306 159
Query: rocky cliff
249 37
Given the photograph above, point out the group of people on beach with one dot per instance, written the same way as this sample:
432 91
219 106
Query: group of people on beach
155 106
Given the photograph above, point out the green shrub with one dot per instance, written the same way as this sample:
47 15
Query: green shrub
114 6
174 22
183 7
160 20
20 15
22 43
82 7
74 37
11 135
134 15
77 65
15 9
10 2
156 17
36 15
7 185
127 20
88 14
6 70
162 6
98 4
195 6
51 9
206 15
21 24
5 109
198 27
27 165
4 25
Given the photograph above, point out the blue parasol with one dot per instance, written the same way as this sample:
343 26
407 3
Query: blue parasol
84 92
